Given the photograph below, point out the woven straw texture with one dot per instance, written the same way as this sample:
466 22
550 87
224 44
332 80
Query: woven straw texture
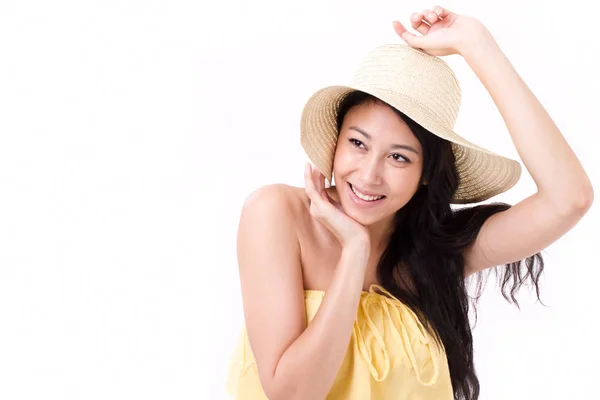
425 88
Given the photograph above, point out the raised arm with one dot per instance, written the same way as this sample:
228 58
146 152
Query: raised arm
564 191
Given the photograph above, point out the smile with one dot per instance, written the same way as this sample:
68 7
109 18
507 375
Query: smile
362 199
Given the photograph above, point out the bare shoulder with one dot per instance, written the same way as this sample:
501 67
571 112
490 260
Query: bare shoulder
296 195
287 195
275 189
284 198
268 251
273 207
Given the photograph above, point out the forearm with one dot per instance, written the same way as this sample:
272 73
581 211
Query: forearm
547 156
309 366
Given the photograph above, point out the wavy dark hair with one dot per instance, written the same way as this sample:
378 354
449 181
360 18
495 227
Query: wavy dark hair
423 263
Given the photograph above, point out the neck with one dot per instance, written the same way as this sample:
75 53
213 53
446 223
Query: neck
379 233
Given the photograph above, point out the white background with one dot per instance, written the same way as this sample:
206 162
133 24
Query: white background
132 131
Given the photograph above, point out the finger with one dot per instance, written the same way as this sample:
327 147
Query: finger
308 184
418 24
401 30
430 17
334 202
320 184
316 176
441 11
314 192
409 37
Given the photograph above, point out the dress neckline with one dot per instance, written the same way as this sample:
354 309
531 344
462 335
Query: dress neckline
371 291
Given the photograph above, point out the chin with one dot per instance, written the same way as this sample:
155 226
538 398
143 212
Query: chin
362 217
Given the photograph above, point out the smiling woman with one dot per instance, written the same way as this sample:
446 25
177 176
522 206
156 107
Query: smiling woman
375 167
359 290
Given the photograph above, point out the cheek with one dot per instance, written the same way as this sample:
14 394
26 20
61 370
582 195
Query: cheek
406 188
343 160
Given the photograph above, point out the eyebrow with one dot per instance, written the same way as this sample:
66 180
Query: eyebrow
394 146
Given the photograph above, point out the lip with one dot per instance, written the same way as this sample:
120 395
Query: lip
365 192
360 202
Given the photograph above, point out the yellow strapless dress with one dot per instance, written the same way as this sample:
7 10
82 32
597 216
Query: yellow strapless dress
390 356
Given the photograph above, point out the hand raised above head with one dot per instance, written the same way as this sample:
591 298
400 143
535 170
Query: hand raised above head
443 32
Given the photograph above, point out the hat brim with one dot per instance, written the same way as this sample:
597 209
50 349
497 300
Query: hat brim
483 173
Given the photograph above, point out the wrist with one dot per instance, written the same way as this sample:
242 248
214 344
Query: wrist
357 247
477 44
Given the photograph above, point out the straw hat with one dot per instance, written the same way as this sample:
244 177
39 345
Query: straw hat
423 87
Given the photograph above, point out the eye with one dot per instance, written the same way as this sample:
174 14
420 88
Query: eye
401 159
354 141
401 156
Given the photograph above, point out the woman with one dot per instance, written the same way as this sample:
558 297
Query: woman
358 290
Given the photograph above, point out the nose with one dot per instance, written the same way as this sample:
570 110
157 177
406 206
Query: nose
369 171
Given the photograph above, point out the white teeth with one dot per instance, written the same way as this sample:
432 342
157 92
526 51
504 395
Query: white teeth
364 196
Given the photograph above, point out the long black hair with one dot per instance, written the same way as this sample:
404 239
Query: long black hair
423 263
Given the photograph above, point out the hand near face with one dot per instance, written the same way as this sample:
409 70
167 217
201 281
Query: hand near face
329 213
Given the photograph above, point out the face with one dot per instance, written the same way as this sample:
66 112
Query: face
376 154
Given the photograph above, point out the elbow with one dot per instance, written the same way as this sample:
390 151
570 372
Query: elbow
291 389
584 200
581 201
273 388
276 389
287 393
589 197
290 392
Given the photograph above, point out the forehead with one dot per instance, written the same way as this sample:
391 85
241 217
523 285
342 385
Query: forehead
380 121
